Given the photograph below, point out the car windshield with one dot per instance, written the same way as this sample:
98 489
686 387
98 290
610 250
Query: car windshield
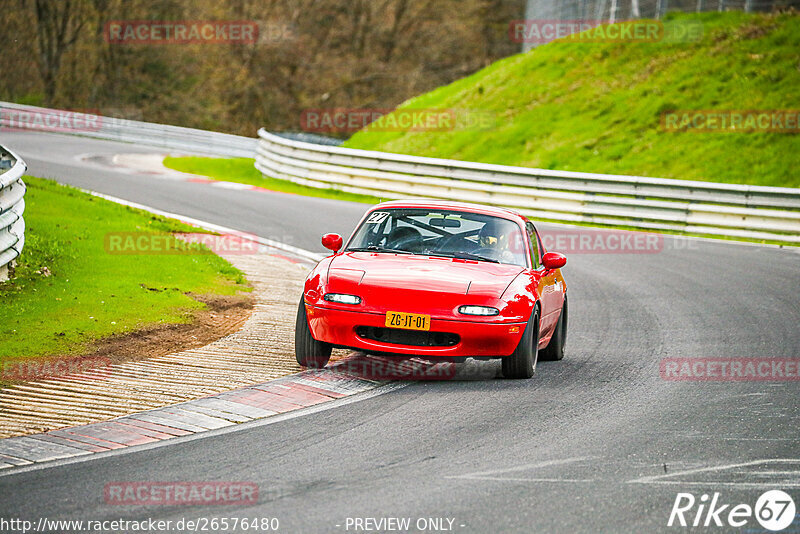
446 233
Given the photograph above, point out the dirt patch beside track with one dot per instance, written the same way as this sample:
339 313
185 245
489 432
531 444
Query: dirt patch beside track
224 315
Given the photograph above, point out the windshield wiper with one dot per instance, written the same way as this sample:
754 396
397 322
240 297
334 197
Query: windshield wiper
463 256
375 248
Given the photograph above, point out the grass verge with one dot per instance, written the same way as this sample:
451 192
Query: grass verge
242 171
68 292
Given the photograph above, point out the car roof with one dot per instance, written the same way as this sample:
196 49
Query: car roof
451 205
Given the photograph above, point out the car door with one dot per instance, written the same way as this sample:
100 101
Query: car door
549 287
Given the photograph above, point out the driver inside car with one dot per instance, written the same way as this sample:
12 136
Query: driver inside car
493 242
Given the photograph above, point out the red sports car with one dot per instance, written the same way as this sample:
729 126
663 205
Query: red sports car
437 280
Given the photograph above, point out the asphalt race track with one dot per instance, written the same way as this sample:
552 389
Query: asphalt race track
598 442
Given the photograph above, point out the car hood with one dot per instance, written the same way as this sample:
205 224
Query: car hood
375 273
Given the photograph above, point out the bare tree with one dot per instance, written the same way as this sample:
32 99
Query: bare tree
58 26
313 53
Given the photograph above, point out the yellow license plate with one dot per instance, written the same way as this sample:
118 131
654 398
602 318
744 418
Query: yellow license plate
409 321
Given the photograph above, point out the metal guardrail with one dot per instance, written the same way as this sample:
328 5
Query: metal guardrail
31 118
315 139
12 206
729 210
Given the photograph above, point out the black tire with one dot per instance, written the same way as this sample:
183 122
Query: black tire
522 362
308 351
555 349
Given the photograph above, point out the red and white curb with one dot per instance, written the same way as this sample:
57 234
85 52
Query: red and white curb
279 396
356 374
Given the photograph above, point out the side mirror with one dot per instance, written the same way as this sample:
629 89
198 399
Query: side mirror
554 260
333 242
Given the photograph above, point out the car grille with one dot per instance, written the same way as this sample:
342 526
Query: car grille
414 338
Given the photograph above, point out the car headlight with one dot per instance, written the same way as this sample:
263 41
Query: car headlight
478 310
341 298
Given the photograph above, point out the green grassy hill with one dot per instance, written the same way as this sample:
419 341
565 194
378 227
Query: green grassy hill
597 107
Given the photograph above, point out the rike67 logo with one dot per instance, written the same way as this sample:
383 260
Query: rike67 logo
774 510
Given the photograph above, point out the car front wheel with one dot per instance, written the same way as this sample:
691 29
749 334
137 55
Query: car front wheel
522 362
308 351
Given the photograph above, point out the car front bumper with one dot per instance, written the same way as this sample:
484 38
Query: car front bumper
475 338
